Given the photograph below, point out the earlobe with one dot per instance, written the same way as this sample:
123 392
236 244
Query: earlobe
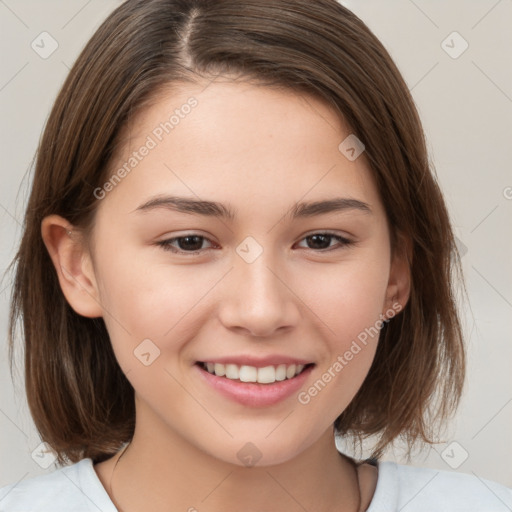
399 284
73 265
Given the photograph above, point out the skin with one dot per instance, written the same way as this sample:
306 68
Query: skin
260 151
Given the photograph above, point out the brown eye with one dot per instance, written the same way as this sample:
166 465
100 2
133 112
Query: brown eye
183 244
322 241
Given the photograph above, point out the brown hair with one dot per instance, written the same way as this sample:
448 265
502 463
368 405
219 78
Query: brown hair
81 402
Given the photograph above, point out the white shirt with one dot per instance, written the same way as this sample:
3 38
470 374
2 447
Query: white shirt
399 489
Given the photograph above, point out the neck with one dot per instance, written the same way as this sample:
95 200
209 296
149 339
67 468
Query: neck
170 470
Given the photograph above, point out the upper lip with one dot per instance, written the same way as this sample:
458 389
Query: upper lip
258 362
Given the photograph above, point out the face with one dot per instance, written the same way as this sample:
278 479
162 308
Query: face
262 278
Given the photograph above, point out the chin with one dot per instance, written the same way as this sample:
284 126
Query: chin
258 453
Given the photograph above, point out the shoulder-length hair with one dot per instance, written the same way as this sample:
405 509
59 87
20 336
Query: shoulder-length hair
80 400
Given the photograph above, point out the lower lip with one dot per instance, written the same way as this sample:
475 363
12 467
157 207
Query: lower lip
255 394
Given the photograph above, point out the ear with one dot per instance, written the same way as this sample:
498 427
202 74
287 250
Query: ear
73 264
399 284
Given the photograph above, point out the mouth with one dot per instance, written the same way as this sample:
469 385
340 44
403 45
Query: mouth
255 386
251 374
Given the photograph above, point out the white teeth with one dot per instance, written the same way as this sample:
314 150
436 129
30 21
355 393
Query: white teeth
219 369
281 372
290 371
266 375
245 373
232 371
248 374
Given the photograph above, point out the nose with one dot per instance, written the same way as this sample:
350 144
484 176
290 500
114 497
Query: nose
258 299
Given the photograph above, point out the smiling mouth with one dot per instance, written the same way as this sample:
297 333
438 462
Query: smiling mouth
246 373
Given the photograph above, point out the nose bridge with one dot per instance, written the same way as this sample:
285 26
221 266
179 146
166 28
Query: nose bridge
257 300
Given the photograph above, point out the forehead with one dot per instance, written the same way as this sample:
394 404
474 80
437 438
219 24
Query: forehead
244 144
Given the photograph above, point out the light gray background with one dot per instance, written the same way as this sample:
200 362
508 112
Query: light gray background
466 107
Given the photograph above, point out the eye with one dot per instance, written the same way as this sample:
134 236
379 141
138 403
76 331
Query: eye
321 242
192 243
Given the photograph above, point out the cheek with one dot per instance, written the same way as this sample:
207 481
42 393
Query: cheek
148 298
347 297
348 301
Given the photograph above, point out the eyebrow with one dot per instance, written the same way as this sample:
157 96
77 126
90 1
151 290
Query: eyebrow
215 209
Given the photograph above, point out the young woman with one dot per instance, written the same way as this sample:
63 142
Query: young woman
235 250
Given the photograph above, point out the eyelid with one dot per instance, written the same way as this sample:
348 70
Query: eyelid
329 232
343 240
166 243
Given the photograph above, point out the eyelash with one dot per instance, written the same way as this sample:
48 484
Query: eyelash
166 244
